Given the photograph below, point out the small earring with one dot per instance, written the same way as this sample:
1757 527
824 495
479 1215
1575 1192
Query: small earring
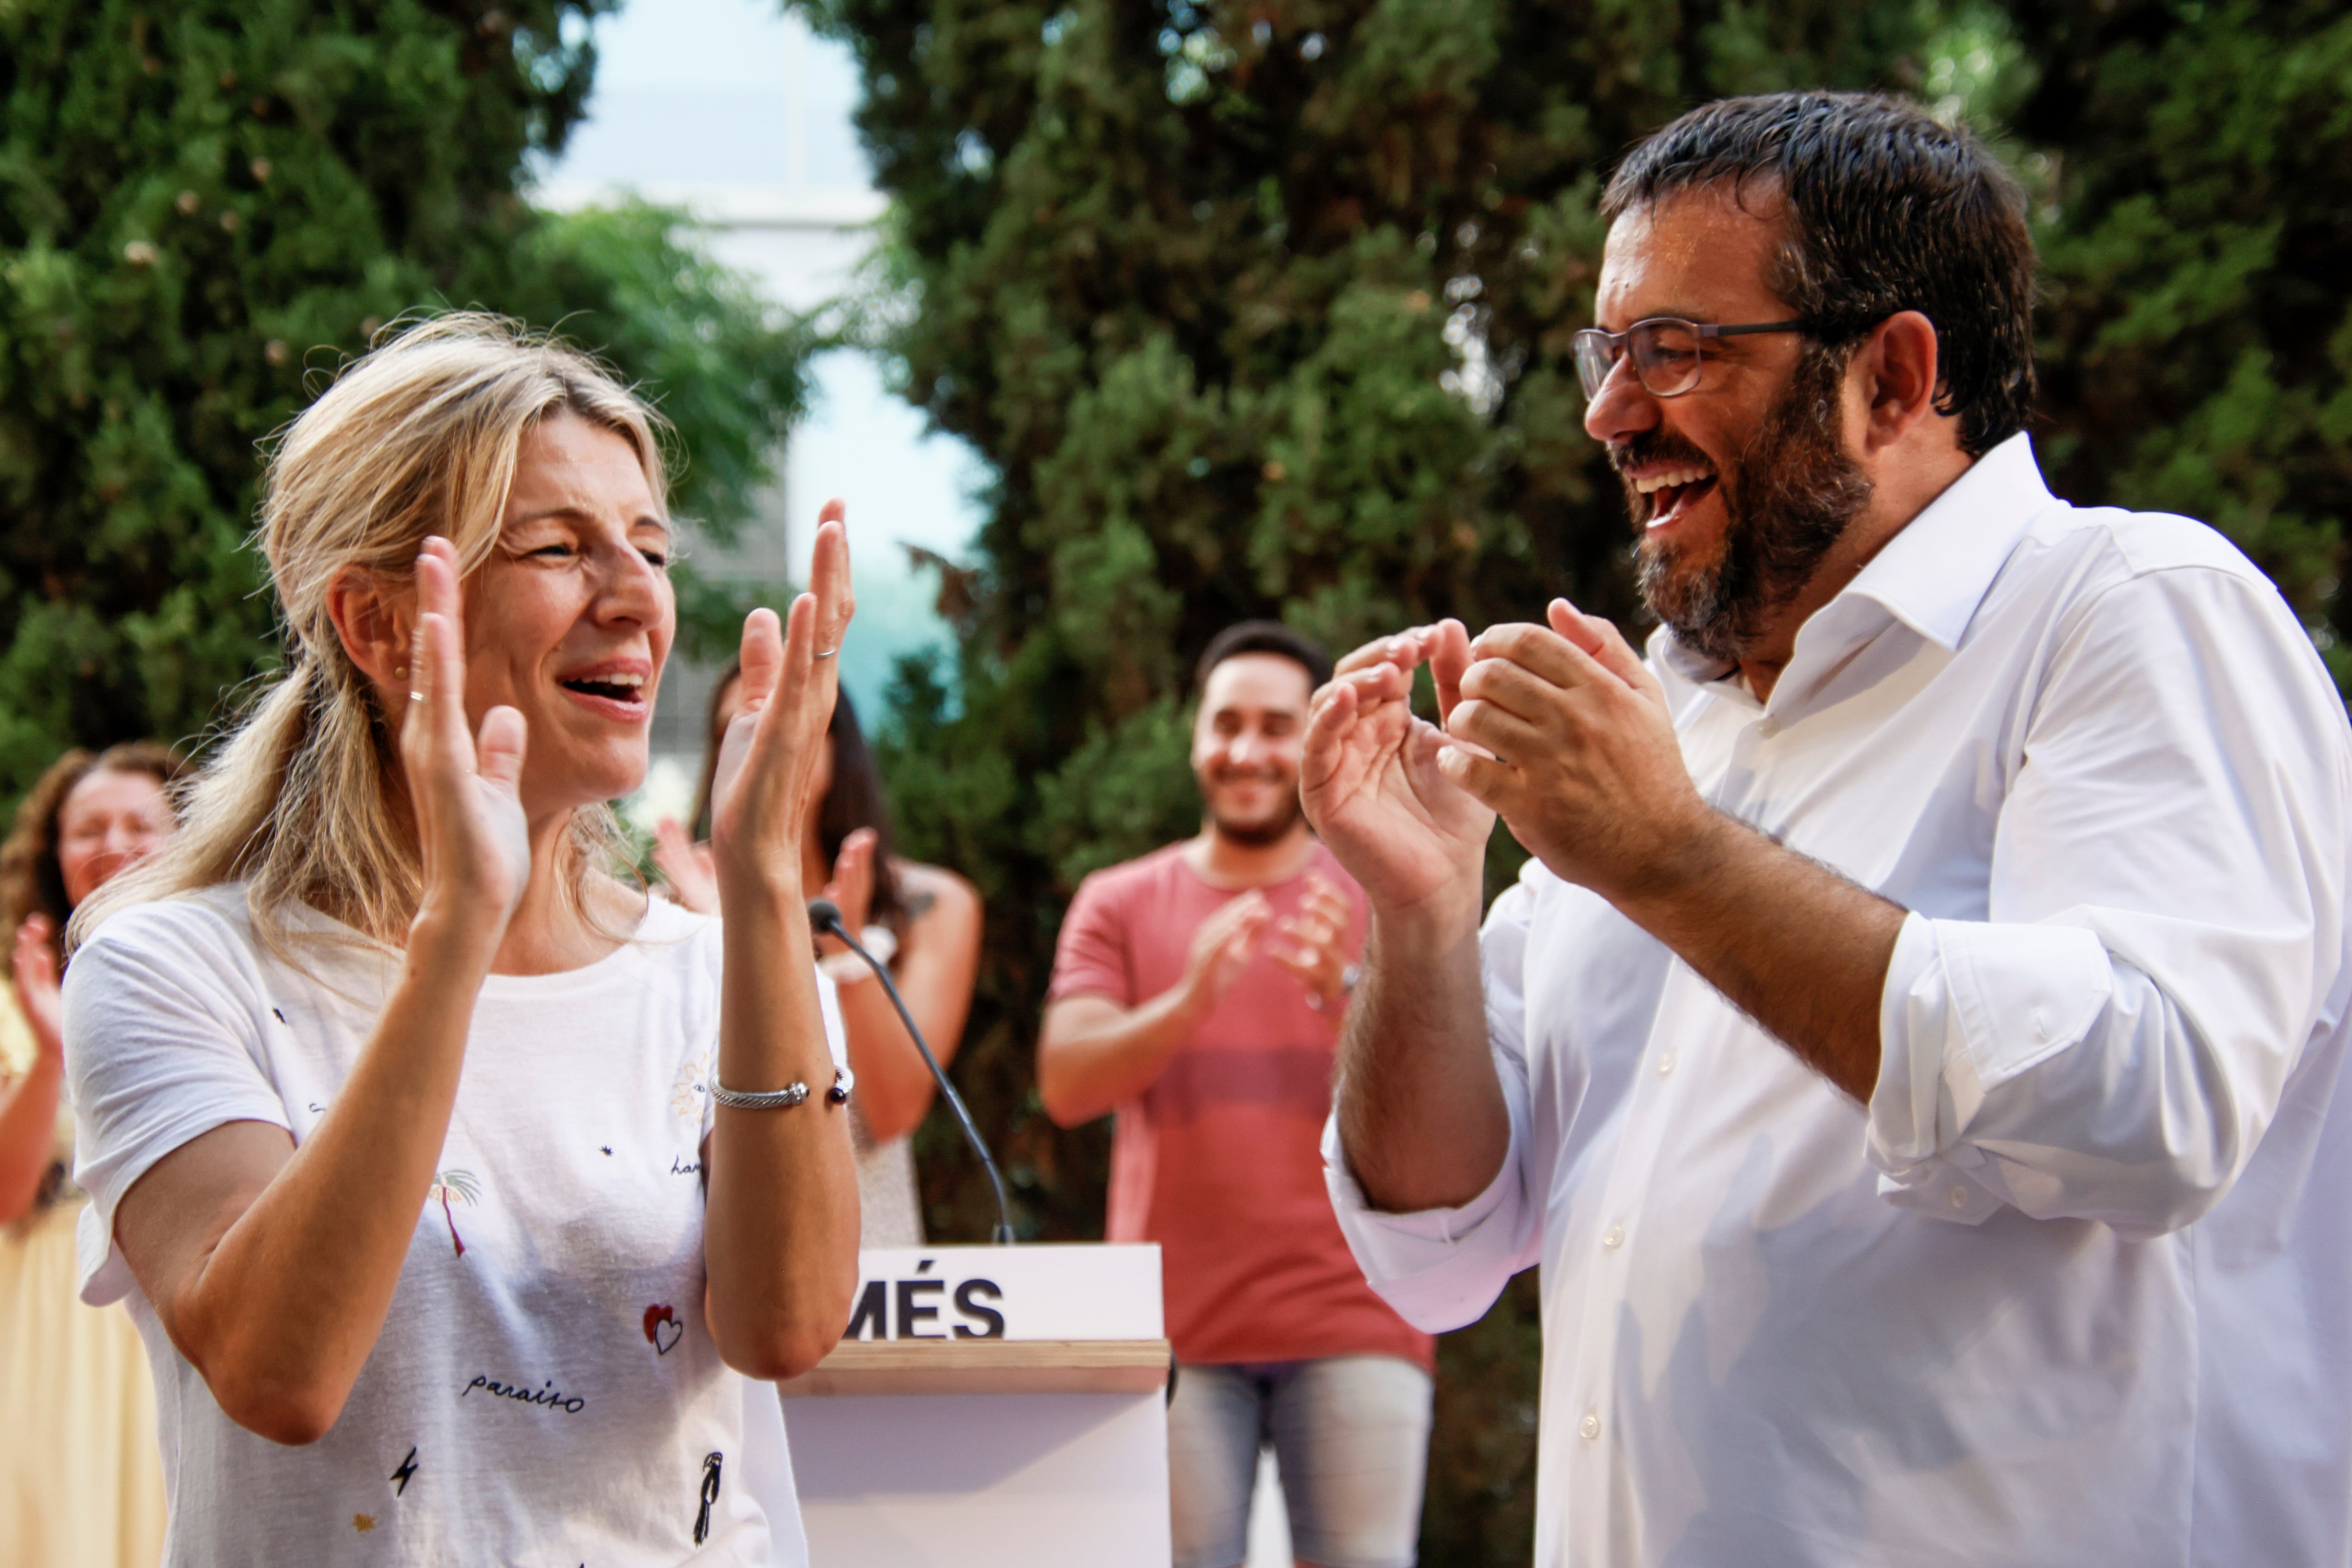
401 673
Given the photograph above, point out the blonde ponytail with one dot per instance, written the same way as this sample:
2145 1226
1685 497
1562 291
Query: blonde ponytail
301 801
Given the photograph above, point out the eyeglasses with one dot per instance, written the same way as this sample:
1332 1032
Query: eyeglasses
1666 351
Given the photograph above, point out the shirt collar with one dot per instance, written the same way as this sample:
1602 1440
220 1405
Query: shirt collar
1933 573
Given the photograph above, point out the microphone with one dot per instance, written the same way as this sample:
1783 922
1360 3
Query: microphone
825 916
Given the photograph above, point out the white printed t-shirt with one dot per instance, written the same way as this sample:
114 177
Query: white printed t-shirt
545 1390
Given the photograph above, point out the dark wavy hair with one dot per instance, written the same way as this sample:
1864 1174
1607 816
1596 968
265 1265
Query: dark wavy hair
32 878
854 800
1888 210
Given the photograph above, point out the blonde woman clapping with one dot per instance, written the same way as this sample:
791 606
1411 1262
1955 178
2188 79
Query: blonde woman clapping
396 1106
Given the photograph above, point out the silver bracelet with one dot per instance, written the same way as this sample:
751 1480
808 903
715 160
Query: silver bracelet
784 1099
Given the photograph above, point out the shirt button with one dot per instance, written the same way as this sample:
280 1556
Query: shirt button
1767 728
1613 1237
1666 1065
2042 1022
1589 1427
1960 1197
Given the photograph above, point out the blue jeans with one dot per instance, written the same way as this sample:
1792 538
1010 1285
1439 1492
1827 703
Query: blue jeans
1351 1436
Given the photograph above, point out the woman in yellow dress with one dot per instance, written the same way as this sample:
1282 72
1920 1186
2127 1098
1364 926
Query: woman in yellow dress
81 1478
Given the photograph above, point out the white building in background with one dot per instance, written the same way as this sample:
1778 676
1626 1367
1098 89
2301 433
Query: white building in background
733 110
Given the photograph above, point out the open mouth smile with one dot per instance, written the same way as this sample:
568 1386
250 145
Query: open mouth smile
621 689
1672 492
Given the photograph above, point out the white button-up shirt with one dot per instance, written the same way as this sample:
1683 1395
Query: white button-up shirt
2076 1287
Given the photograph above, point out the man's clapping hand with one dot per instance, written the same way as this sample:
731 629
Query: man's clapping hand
1222 946
1564 731
1371 778
1312 943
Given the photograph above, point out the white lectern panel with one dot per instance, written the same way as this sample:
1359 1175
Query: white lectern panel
981 1480
901 1477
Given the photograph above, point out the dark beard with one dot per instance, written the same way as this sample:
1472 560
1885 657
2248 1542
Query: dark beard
1259 835
1788 497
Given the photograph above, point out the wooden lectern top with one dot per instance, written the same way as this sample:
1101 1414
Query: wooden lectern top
985 1366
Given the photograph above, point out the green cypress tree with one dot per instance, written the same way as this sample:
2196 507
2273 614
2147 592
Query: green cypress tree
2194 168
1256 308
204 209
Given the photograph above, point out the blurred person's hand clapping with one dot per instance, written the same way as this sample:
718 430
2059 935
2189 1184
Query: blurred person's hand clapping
851 888
687 867
1222 947
1313 943
34 965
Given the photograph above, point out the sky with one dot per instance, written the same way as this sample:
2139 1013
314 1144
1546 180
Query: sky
731 107
703 92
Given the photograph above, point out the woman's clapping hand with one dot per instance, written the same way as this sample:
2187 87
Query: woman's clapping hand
35 967
475 841
851 888
772 758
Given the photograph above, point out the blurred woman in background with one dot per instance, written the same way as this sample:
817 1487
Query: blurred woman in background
81 1483
923 921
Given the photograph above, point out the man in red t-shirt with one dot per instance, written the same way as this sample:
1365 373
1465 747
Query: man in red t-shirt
1197 992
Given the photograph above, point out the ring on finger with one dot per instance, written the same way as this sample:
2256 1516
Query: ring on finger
825 652
417 697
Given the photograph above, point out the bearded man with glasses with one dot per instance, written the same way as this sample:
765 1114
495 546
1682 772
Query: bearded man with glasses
1913 1051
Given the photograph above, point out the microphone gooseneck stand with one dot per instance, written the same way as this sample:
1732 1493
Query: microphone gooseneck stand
826 918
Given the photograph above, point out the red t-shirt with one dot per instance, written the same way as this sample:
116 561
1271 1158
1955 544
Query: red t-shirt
1219 1160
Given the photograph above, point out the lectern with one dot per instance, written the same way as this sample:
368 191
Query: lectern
989 1408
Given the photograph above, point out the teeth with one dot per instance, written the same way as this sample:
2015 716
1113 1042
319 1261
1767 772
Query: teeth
629 681
1651 484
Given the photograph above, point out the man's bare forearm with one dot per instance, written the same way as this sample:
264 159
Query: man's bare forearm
1421 1117
1791 944
1095 1055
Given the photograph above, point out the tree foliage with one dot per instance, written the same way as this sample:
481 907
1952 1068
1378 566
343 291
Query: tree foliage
204 209
2195 165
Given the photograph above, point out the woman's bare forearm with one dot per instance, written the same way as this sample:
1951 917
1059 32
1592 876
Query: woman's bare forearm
780 1236
279 1299
894 1086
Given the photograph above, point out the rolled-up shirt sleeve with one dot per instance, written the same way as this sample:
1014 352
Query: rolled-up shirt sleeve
2164 930
1442 1268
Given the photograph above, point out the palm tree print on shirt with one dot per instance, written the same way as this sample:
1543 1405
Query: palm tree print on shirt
686 1095
447 1185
